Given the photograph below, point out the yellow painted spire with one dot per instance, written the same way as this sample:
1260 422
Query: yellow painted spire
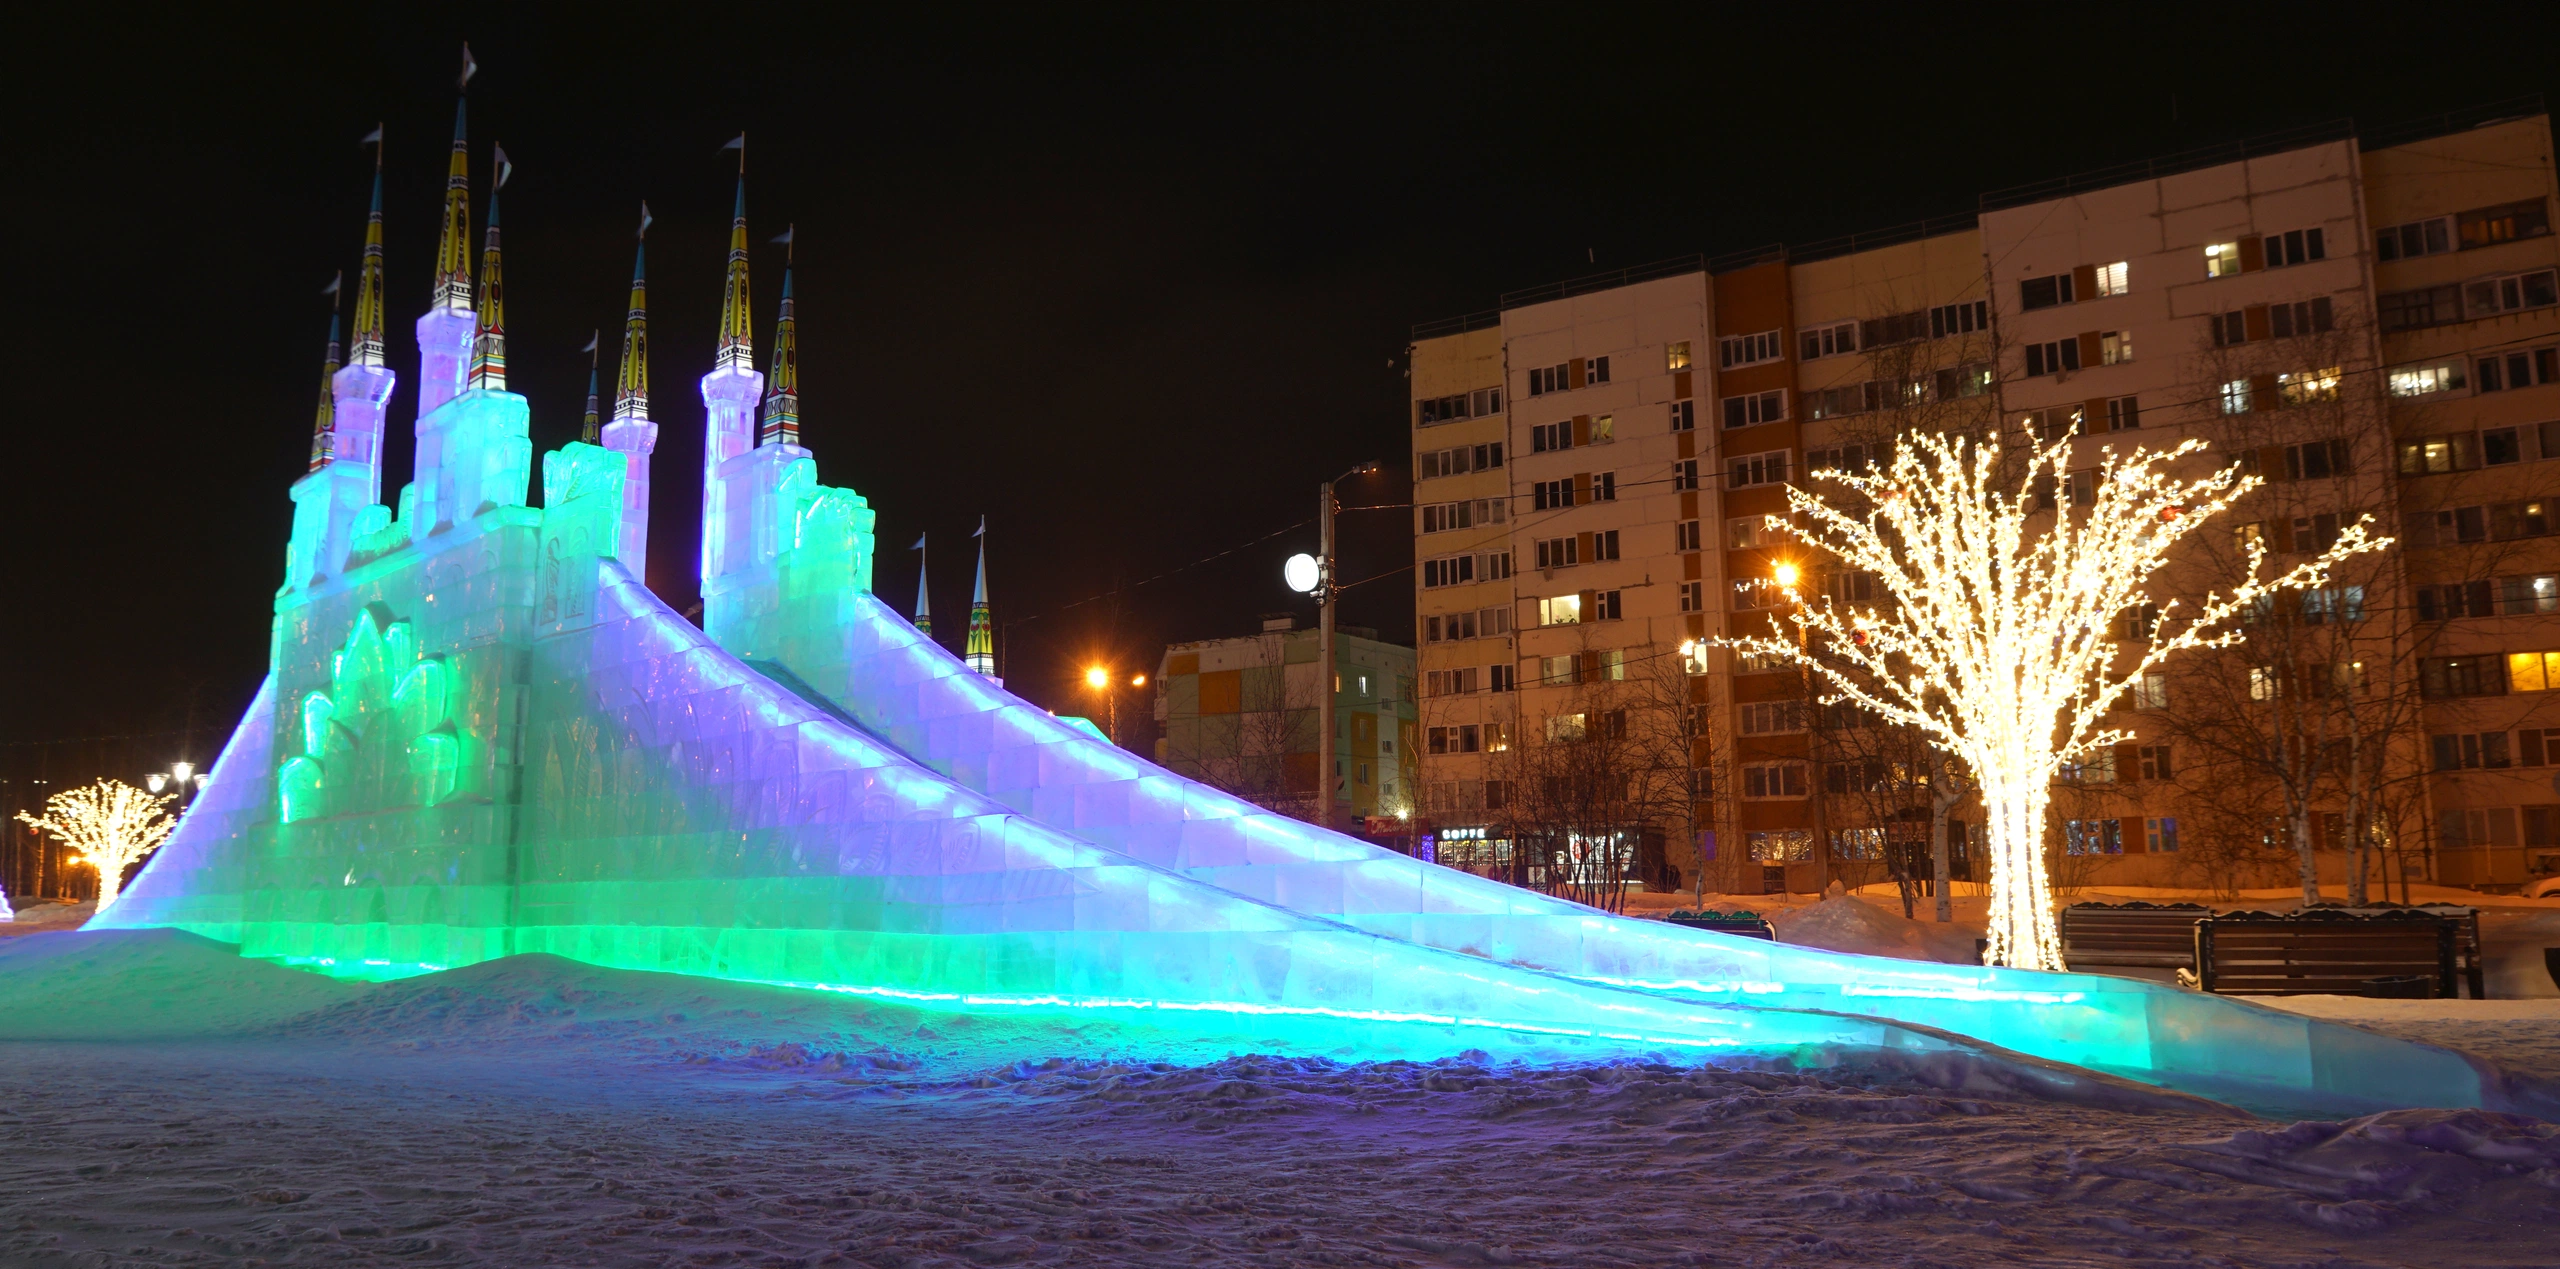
489 339
631 382
737 349
324 429
782 392
368 345
591 432
453 248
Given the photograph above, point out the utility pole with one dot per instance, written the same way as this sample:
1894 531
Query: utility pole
1328 683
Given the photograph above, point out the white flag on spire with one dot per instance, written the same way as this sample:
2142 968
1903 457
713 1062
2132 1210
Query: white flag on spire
919 543
785 236
371 138
469 68
506 167
334 284
591 341
738 143
982 528
645 218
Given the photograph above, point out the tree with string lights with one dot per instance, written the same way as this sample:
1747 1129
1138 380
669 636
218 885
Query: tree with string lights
1994 630
108 825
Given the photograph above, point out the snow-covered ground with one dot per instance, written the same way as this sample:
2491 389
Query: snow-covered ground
164 1101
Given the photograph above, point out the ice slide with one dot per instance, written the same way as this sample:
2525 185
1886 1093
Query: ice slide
862 657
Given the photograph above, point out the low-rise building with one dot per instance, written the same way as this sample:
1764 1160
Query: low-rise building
1241 714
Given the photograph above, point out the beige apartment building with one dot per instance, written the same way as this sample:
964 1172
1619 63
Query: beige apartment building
2369 321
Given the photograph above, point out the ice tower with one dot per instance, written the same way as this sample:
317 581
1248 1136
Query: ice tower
631 433
480 735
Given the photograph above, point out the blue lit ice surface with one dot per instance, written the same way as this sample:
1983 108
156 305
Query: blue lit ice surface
807 792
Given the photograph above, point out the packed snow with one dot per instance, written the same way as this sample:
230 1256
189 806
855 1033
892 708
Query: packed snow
166 1101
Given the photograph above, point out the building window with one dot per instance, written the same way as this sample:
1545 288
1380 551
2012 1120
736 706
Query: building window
1546 379
1676 356
1604 606
1559 671
2155 762
2537 593
2419 381
2115 279
2093 837
1561 610
1556 553
2533 671
1440 517
1684 416
2508 294
1830 340
2124 414
1684 474
1693 596
1457 682
1465 405
1771 718
2115 347
1453 570
1841 458
1604 545
2470 751
1546 437
2429 237
1757 407
1958 382
1959 319
1564 728
2151 691
2507 222
1769 468
1457 461
1748 350
2526 369
2426 306
2044 292
1684 536
1499 678
2266 683
1893 328
1832 403
2296 246
1548 495
2301 386
2330 604
2160 835
2221 259
1773 780
2053 358
2233 398
2303 317
2461 676
1747 533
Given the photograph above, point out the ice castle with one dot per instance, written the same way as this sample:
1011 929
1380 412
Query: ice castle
481 735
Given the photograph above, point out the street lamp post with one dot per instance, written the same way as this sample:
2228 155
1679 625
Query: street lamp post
181 781
1100 678
1321 582
1787 576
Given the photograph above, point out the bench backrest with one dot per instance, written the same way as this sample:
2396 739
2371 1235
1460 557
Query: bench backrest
2093 928
2253 954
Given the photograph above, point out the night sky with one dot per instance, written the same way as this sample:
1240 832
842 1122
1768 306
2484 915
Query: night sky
1130 284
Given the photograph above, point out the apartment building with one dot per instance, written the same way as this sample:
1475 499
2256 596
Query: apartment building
2368 321
1242 713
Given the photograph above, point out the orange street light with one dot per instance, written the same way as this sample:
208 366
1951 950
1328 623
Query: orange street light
1096 677
1138 681
1786 575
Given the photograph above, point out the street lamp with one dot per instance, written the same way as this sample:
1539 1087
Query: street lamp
1314 575
1098 678
181 781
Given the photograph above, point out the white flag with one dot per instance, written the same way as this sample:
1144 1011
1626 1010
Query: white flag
645 218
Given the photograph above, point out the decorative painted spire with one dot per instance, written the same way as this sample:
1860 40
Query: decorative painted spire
737 349
453 249
489 341
981 652
631 382
368 347
592 431
324 429
782 393
924 592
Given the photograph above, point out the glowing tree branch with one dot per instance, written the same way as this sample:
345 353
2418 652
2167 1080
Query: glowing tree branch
110 824
1996 634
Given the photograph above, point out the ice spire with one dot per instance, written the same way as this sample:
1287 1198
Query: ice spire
631 382
368 346
782 394
489 341
924 592
453 249
737 342
324 429
593 430
981 651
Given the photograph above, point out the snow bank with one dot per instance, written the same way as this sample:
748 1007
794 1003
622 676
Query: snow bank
146 984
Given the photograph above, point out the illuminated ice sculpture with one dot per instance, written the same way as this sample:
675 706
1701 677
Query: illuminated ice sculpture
480 736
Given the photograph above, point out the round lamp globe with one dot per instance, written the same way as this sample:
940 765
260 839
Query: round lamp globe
1300 573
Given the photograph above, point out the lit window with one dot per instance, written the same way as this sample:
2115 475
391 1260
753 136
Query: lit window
2114 279
1564 727
2235 397
1562 610
2115 347
2533 671
1781 846
2266 683
2222 259
2151 691
2418 381
2308 385
1676 356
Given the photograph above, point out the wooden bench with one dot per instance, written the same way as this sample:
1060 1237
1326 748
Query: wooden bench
2137 935
2322 952
1747 924
2466 937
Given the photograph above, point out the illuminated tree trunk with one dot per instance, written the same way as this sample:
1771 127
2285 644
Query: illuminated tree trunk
2022 929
